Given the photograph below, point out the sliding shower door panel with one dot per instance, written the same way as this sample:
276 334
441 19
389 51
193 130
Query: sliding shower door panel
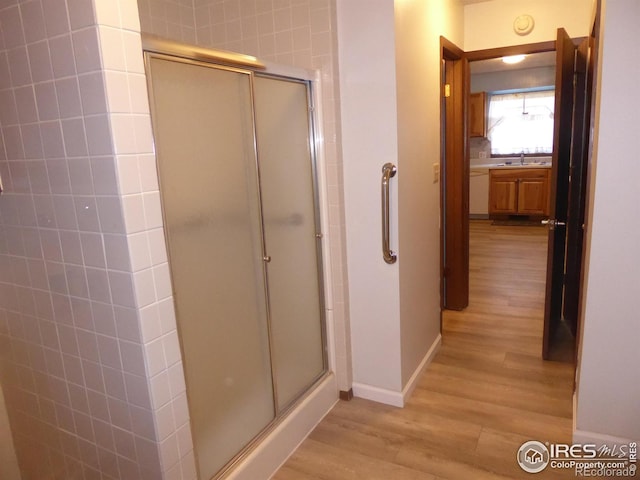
203 127
290 227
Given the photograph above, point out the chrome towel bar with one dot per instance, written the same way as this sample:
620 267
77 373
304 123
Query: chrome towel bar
388 171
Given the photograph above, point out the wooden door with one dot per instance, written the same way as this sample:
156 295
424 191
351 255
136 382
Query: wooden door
559 188
577 188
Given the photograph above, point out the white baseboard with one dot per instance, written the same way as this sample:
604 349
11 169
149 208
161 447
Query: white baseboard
391 397
278 446
413 381
377 394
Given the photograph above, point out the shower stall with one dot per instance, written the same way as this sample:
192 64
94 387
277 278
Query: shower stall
236 161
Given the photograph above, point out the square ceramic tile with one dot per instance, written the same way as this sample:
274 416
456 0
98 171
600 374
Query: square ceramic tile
19 66
62 56
117 86
87 214
99 139
33 21
12 32
134 213
104 177
129 17
26 104
92 250
139 251
117 252
143 133
53 146
144 288
110 214
65 212
112 48
128 174
86 48
162 281
148 173
150 328
160 391
127 324
133 52
165 425
122 290
9 112
56 17
81 311
107 13
68 95
80 176
152 210
92 93
40 61
74 137
103 318
157 246
124 134
33 149
120 413
114 383
132 357
98 282
80 13
71 249
48 103
137 390
169 452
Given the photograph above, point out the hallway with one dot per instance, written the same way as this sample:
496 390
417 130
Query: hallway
486 392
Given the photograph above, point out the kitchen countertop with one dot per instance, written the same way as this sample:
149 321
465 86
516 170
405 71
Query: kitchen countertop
503 163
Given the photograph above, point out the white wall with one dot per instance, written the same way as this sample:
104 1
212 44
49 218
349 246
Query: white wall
608 389
369 140
389 58
419 26
490 24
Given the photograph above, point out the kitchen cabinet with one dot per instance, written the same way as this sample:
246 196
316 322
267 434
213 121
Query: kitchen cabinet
519 191
478 114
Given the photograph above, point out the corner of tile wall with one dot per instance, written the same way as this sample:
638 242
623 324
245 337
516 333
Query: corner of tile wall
79 224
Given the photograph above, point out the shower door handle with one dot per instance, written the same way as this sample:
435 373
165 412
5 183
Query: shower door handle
388 170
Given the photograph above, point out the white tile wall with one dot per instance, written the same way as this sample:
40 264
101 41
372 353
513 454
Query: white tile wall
84 283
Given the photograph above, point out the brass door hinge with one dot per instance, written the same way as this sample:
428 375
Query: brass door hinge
447 90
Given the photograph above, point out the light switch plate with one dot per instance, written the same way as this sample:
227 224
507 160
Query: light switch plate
436 172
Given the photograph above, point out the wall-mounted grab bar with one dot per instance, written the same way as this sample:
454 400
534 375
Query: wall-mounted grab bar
388 170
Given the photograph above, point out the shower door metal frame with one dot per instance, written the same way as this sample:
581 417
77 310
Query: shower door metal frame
156 47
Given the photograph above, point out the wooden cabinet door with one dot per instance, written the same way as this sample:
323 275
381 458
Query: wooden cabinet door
477 114
533 196
503 196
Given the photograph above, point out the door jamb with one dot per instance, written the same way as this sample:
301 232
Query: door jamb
454 184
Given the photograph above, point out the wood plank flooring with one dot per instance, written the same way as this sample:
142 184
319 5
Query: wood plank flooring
486 392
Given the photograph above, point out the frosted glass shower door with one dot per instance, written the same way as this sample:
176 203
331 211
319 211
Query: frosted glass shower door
290 227
203 127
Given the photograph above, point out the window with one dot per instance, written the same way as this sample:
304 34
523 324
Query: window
521 122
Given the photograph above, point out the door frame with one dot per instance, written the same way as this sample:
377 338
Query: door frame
454 178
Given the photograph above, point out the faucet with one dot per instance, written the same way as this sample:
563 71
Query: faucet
522 157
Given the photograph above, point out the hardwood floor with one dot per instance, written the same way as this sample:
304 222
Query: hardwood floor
486 392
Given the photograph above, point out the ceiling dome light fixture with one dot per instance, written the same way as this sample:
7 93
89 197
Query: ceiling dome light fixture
513 59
